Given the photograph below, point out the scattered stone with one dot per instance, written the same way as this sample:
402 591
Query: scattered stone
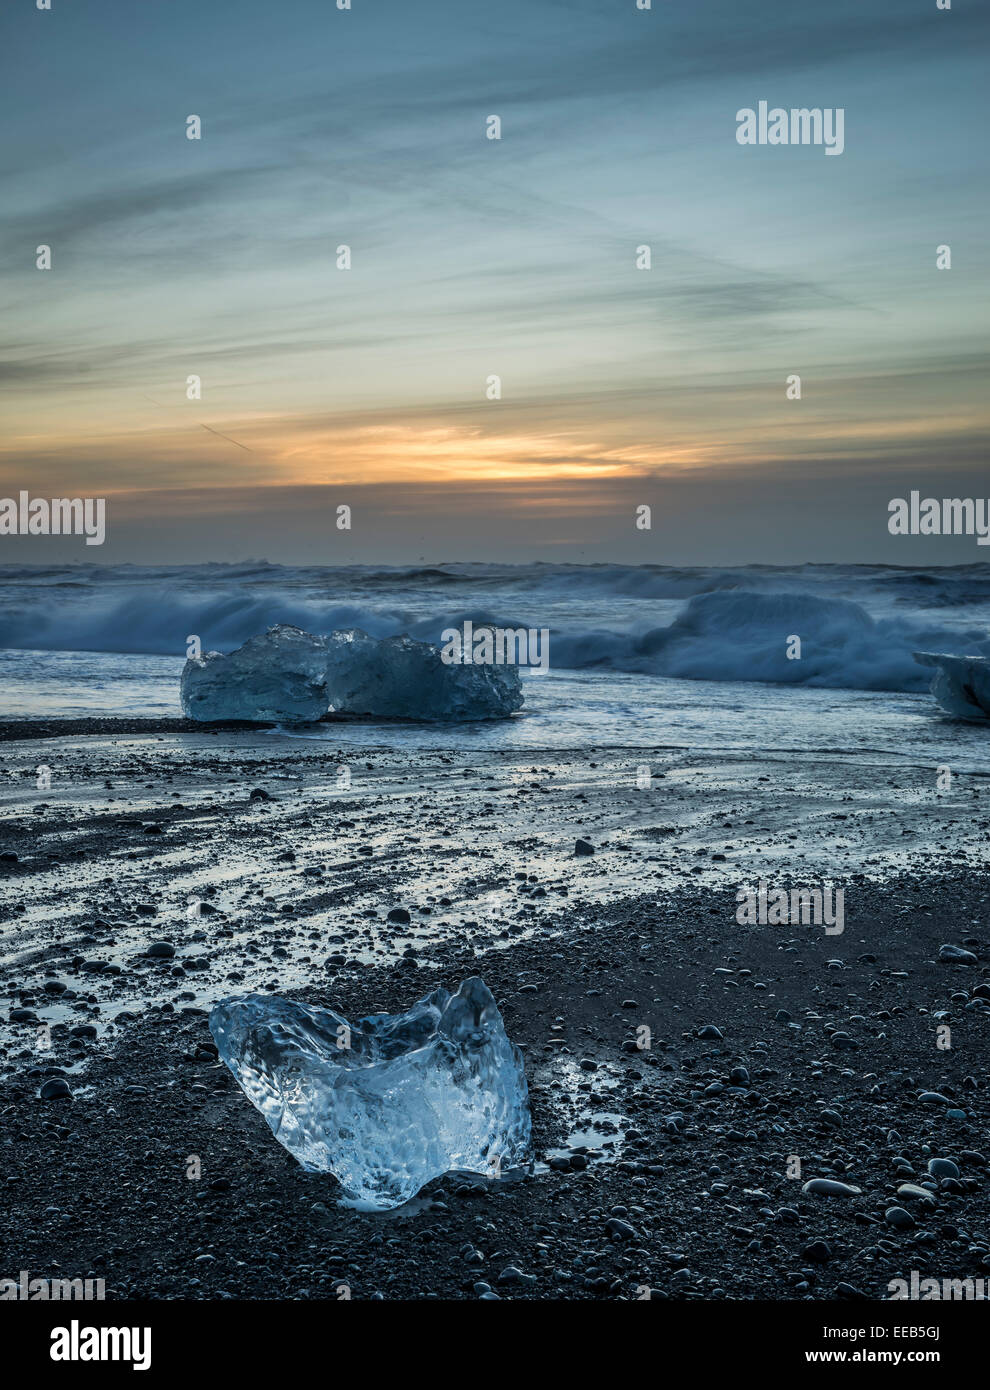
957 955
830 1187
900 1219
55 1088
913 1193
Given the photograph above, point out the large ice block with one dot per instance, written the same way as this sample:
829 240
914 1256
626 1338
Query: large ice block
961 684
389 1102
289 676
279 676
398 677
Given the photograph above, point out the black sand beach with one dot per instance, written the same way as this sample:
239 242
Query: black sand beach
670 1168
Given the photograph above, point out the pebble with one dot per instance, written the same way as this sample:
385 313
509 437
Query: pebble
914 1193
829 1187
899 1218
55 1088
622 1229
957 954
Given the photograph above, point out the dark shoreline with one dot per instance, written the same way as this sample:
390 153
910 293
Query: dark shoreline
705 1209
19 730
16 730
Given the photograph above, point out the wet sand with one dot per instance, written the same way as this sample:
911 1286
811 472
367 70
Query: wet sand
271 863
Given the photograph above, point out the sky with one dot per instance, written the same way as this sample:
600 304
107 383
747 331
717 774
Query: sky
474 258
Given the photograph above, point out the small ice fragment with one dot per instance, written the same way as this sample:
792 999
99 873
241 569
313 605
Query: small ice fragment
390 1102
279 676
961 684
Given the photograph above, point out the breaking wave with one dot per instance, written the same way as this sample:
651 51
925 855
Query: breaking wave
741 636
699 624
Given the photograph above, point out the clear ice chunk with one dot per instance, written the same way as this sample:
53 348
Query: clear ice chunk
400 678
390 1102
289 676
961 684
279 676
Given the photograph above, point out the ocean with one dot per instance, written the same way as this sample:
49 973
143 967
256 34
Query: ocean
640 656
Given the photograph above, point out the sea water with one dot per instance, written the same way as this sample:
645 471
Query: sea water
640 656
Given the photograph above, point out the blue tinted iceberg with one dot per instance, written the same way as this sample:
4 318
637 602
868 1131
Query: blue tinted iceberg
287 676
389 1102
400 678
961 684
278 677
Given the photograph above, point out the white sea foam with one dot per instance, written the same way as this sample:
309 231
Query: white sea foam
858 625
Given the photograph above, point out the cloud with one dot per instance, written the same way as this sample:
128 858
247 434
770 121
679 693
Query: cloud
174 257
